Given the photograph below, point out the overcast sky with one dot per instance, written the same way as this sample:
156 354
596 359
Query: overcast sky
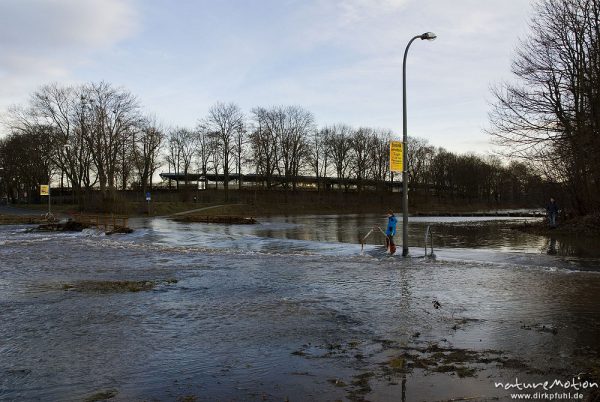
341 59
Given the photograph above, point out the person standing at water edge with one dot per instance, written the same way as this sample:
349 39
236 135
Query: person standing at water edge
552 210
390 232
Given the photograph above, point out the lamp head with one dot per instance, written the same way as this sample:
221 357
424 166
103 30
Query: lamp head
428 36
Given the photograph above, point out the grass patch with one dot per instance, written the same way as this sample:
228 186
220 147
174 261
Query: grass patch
462 362
397 363
463 372
102 396
187 398
114 286
402 360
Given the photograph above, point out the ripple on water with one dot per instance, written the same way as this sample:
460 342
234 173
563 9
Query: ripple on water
237 314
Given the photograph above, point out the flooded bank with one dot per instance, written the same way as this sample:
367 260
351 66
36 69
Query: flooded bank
291 308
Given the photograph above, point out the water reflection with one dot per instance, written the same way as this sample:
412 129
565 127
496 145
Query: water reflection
574 246
331 232
552 246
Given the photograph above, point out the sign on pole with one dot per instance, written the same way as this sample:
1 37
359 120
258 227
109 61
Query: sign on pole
148 197
396 156
44 189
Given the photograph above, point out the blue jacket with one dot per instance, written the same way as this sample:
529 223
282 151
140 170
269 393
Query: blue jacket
391 226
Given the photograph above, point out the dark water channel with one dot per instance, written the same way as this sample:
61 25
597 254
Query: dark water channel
292 308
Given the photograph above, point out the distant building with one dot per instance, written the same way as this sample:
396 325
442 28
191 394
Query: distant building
301 182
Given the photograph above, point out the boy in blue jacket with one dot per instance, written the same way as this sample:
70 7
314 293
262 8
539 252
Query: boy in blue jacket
390 232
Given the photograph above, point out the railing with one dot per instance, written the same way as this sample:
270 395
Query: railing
429 239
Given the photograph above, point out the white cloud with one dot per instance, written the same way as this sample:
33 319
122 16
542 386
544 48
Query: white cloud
348 12
43 40
349 23
37 24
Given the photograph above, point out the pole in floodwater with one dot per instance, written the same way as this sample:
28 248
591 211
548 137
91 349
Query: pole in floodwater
425 36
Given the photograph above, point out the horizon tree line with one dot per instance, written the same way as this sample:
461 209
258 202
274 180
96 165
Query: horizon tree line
96 138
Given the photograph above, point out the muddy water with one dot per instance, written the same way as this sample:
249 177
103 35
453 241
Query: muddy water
291 308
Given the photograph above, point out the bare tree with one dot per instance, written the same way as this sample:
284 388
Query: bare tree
379 154
551 115
264 143
225 121
319 154
61 108
75 153
182 149
115 115
239 149
148 145
297 124
361 141
216 154
420 157
204 151
339 145
173 156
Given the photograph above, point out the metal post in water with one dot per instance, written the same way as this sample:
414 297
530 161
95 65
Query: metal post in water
428 36
426 239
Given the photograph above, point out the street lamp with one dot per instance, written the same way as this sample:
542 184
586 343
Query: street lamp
425 36
1 192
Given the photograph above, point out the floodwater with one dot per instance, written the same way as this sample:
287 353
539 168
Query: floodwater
293 308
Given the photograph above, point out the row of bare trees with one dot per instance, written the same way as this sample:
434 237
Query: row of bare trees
361 154
216 145
279 144
282 144
95 136
474 177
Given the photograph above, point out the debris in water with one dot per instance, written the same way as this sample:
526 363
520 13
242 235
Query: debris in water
114 286
101 396
68 226
119 230
337 382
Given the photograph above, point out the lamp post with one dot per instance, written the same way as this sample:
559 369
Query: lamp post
1 184
425 36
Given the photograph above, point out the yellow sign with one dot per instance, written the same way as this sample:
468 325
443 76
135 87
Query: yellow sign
396 156
44 189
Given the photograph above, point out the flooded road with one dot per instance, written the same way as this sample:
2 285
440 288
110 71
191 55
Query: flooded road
291 308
